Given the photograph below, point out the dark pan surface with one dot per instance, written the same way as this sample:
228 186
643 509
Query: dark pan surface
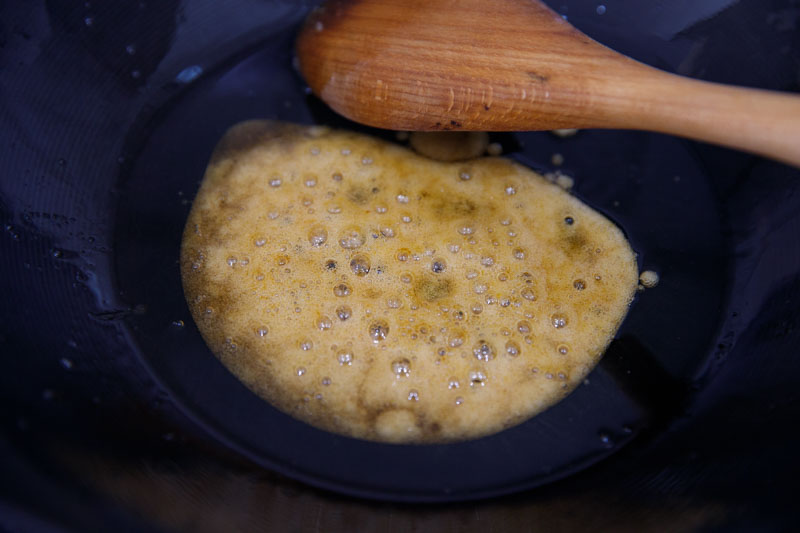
635 178
111 417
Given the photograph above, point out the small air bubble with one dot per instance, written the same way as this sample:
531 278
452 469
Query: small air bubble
519 253
387 232
477 379
351 239
480 288
405 277
341 290
456 340
524 327
378 331
528 294
178 323
512 348
464 175
558 321
487 261
311 182
317 236
402 198
345 358
306 345
262 331
401 367
343 312
438 266
477 309
563 349
579 284
569 221
260 242
510 190
466 230
454 248
459 400
326 381
406 219
403 254
273 215
366 160
324 323
231 261
601 9
360 265
275 182
483 350
453 383
413 395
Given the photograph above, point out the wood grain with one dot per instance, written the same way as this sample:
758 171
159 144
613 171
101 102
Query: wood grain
517 65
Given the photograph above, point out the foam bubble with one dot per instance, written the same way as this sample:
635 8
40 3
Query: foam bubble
317 235
344 357
378 330
360 265
513 349
351 239
483 350
343 312
401 367
342 289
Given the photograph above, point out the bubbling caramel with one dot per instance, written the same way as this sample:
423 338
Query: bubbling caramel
375 293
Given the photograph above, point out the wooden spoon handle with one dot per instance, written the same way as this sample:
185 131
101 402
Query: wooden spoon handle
754 120
516 65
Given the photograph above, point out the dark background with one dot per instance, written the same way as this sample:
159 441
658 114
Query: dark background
90 437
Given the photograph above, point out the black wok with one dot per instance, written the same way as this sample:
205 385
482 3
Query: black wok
115 414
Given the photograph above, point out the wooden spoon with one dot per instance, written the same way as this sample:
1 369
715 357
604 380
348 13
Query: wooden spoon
494 65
